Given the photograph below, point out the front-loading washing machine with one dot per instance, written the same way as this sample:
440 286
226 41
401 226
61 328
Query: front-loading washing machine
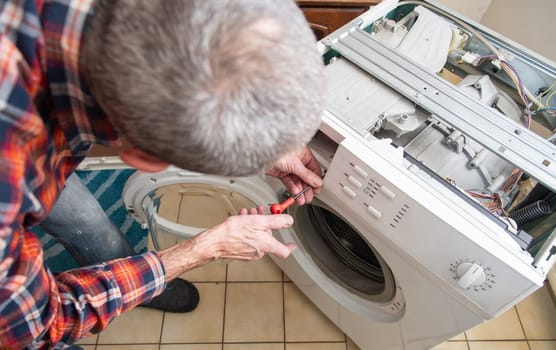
425 139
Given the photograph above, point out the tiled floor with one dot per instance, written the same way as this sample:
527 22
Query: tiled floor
253 306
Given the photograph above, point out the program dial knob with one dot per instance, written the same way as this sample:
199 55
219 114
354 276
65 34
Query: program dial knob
470 274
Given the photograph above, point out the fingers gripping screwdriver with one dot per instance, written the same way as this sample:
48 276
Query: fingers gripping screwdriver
278 208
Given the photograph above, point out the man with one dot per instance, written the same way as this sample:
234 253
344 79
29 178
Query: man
224 87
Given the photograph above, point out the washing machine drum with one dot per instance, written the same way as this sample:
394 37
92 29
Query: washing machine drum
342 252
346 243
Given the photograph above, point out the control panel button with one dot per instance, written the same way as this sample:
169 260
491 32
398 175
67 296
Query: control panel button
354 181
360 171
349 191
374 212
387 192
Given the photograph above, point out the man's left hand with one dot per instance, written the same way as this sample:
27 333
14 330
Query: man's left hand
296 170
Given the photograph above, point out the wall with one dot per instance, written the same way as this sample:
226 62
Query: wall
528 22
472 9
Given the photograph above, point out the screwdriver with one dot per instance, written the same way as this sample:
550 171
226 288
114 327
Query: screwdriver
278 208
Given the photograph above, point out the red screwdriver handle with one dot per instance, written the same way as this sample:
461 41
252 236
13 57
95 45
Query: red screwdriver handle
278 208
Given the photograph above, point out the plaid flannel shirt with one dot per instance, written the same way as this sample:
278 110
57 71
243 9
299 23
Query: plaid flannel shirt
48 122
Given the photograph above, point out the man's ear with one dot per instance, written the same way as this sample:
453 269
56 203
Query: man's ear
140 160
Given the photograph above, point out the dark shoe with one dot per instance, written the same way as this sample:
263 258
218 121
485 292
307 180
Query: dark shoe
179 296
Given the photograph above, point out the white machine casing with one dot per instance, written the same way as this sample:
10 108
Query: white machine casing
454 265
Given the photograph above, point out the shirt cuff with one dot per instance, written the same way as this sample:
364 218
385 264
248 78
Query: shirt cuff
140 278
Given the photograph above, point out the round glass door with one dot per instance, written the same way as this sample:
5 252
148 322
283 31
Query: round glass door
179 211
342 252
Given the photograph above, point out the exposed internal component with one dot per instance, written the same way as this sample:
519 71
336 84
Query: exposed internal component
375 110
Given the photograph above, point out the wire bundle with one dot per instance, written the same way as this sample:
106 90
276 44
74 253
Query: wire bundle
526 96
547 106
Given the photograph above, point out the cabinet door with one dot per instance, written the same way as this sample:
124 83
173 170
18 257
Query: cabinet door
325 20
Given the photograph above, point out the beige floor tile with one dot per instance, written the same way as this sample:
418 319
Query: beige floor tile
452 345
88 347
538 315
170 206
264 270
552 282
315 346
255 346
498 345
351 345
211 272
542 345
504 327
190 347
88 340
459 337
254 312
204 325
128 347
301 312
139 325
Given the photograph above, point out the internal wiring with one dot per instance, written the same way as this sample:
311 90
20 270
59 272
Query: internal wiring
547 90
512 181
492 202
548 107
523 91
548 98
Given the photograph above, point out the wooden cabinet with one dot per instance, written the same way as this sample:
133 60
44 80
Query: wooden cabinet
324 17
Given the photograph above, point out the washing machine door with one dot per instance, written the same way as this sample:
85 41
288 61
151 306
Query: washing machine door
342 252
175 204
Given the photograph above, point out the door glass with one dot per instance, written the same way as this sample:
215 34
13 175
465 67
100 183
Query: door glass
193 206
342 252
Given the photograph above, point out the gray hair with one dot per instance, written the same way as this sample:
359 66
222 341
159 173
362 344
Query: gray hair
222 87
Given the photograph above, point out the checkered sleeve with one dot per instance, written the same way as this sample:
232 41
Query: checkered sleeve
37 308
40 309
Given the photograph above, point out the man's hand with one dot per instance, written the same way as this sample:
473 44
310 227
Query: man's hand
241 237
296 170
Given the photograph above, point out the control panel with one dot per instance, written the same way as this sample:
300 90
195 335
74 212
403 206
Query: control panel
429 227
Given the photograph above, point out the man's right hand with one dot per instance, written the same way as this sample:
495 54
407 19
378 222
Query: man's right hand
247 236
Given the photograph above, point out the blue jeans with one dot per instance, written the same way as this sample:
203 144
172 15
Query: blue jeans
79 223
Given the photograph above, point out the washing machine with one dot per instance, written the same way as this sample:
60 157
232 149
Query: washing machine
422 229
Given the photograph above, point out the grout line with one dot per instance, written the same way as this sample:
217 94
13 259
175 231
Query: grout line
503 340
281 342
224 311
522 327
283 311
179 209
161 329
236 282
466 341
247 282
141 343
